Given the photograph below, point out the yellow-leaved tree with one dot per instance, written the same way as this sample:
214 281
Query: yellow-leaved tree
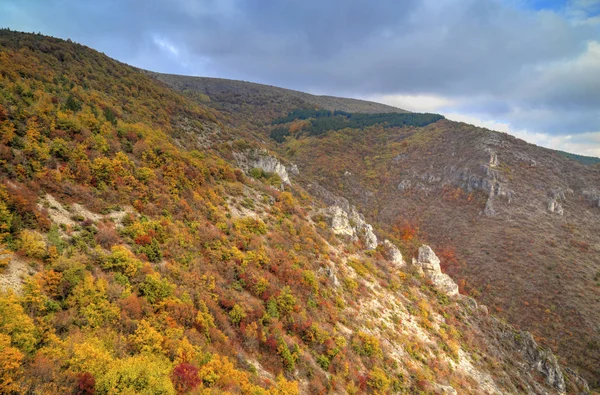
10 366
5 224
146 374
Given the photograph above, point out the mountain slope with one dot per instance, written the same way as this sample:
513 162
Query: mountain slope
243 99
519 223
163 252
522 220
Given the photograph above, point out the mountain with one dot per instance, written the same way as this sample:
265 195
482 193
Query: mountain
154 241
518 222
235 94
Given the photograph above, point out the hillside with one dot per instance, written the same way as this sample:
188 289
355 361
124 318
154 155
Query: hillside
519 222
515 220
586 160
244 99
148 246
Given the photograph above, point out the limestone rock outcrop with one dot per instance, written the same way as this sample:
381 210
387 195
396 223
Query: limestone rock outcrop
353 225
538 358
555 207
393 254
429 263
261 159
340 223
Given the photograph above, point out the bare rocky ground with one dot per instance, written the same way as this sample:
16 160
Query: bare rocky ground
15 273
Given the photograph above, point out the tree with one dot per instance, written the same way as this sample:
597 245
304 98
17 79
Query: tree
146 374
91 299
146 339
16 324
10 366
379 381
91 356
32 244
155 288
122 260
237 314
185 378
5 225
85 384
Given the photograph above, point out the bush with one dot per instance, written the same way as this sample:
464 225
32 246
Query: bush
237 314
249 225
32 244
155 288
366 345
378 381
185 378
123 261
289 357
286 302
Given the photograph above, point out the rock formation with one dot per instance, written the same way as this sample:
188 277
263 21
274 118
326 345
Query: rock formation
429 263
538 358
261 159
352 224
393 254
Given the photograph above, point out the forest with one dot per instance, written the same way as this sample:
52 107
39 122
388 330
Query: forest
322 121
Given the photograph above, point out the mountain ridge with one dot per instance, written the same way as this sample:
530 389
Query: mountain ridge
212 86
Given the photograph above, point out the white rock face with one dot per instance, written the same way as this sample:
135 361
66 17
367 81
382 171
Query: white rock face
293 169
272 165
340 224
393 254
493 159
352 225
368 236
428 261
262 160
430 264
555 207
446 389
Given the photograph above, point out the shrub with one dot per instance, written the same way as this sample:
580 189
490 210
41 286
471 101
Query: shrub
289 357
107 235
123 261
155 288
323 362
237 314
249 225
185 378
286 302
378 381
366 345
152 251
32 244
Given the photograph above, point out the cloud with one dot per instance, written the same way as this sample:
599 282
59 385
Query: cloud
415 103
530 64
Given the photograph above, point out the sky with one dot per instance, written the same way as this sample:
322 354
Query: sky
530 68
